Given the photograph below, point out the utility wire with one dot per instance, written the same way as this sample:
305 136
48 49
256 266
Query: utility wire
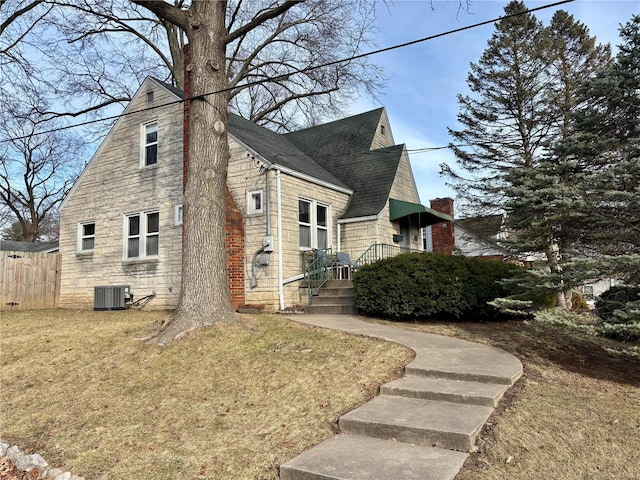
303 70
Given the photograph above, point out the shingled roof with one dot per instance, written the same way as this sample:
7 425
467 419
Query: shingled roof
343 147
337 153
276 148
485 227
34 247
349 135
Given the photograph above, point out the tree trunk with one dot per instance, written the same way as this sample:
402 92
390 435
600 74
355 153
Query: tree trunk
554 267
204 298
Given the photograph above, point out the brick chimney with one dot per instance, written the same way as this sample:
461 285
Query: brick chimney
442 237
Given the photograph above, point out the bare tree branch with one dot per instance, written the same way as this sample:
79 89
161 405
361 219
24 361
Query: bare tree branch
260 19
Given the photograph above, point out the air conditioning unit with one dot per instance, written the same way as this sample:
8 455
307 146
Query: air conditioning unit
114 297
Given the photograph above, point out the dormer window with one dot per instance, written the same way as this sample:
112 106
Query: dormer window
150 144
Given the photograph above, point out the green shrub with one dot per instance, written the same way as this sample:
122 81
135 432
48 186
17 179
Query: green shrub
616 299
427 285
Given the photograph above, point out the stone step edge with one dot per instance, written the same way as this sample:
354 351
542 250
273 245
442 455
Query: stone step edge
347 456
446 389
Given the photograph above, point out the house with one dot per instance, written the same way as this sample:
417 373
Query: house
33 247
341 187
480 237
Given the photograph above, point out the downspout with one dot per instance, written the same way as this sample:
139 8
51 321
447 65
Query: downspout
280 259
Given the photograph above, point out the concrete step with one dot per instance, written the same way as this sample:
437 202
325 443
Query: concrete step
336 292
336 300
476 363
353 457
339 283
434 423
456 391
331 309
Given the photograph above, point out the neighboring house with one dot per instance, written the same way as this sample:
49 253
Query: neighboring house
33 247
480 237
342 186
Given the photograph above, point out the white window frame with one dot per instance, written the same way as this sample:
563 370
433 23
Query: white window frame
142 236
179 213
143 143
82 236
313 223
251 208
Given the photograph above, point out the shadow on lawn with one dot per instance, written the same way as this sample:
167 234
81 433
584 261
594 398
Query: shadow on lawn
534 342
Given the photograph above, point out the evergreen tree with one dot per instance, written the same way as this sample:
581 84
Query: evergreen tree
607 139
506 120
545 205
526 90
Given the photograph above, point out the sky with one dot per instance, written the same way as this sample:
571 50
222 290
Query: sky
424 79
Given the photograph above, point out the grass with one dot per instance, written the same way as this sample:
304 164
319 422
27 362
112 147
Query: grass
575 415
237 401
229 402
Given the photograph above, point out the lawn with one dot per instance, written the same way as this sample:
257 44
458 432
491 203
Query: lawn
575 414
232 402
235 402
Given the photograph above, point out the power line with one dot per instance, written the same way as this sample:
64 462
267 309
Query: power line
303 70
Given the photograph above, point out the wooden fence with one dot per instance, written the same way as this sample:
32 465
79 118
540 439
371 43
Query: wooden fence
29 281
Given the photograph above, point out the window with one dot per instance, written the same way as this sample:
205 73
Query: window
322 227
304 221
254 202
313 224
142 235
150 96
150 144
179 213
86 237
382 129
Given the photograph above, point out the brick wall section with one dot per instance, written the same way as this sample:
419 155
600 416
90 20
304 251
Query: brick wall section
442 233
235 251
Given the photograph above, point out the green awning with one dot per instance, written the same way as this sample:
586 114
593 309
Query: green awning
418 214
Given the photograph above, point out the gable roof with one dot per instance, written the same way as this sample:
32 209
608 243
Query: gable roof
349 135
277 150
343 147
336 154
370 174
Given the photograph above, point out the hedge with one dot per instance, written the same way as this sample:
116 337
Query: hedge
428 285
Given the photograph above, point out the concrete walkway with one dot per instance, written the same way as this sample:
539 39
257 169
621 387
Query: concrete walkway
421 426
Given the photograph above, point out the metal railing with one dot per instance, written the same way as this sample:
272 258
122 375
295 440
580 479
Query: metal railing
378 251
318 270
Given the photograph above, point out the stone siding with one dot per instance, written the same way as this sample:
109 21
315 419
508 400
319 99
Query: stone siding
113 185
245 175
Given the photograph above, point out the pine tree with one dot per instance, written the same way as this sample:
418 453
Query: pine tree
546 205
607 138
505 121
